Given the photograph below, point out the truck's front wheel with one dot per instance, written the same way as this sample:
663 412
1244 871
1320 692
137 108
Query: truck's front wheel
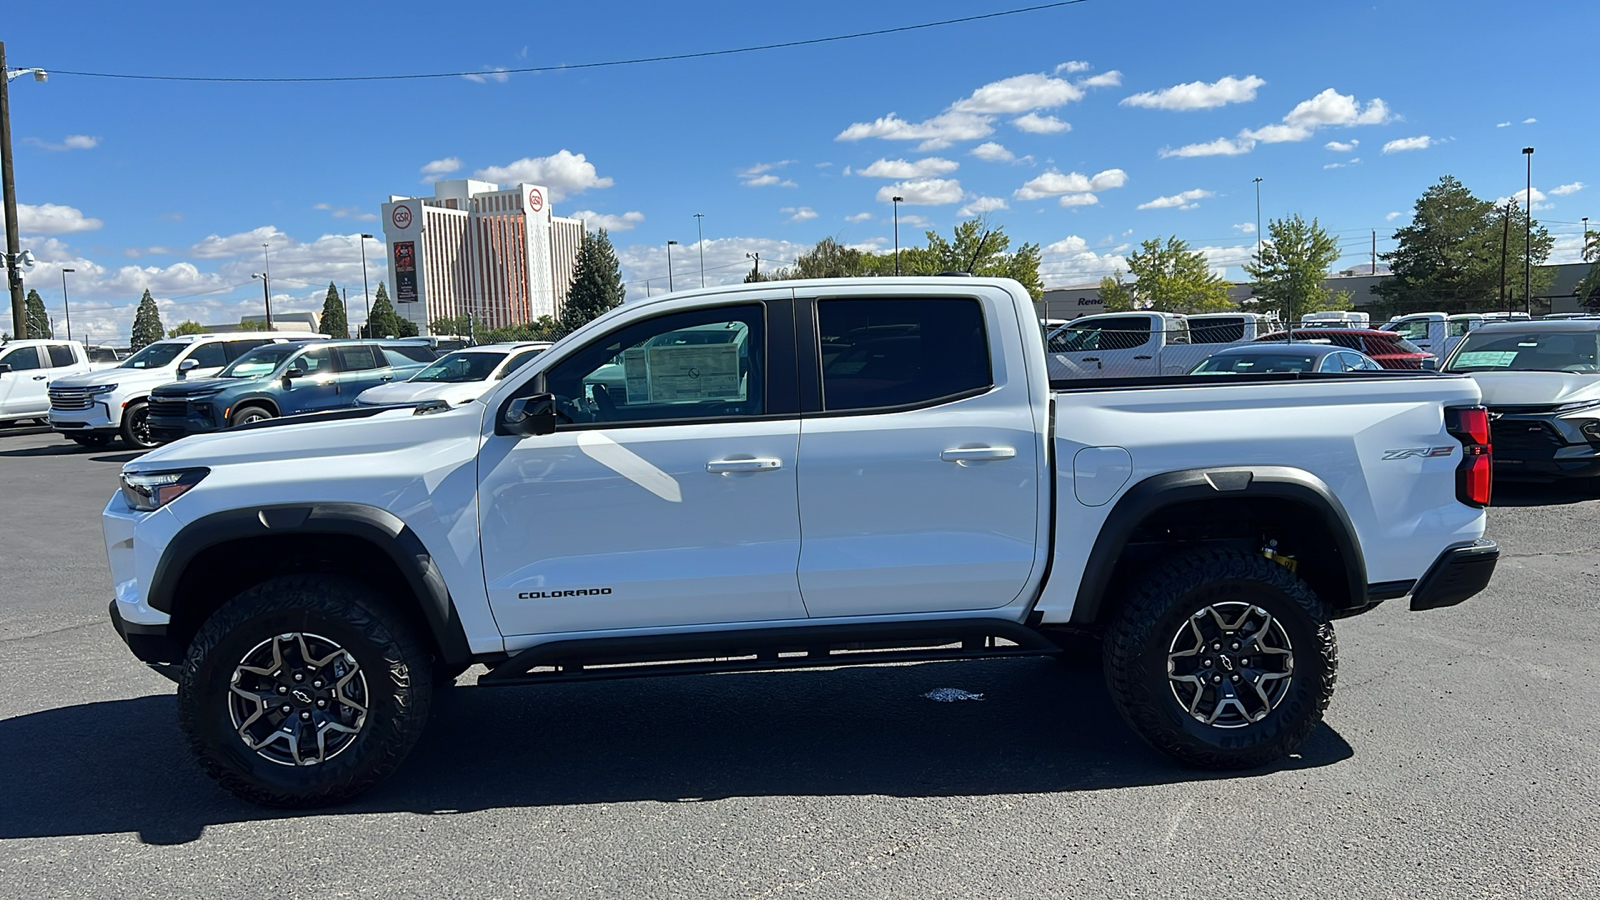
303 691
1222 659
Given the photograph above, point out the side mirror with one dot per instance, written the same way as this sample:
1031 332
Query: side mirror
185 366
1431 364
527 416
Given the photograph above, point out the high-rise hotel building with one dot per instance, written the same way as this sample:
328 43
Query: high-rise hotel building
476 248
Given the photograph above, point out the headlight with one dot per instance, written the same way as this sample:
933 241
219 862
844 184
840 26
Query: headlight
1574 407
100 389
149 491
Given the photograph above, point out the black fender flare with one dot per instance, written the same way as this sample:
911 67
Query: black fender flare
1172 488
378 527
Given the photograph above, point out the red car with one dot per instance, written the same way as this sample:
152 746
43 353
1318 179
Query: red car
1386 348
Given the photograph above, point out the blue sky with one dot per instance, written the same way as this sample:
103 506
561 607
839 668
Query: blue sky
1085 129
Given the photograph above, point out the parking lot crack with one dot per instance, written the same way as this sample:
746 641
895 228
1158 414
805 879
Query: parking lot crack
37 634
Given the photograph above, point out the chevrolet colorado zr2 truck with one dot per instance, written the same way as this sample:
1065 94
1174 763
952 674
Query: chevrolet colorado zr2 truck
784 475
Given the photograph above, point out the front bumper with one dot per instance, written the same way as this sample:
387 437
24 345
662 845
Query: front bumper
170 428
1457 574
1541 447
97 419
149 643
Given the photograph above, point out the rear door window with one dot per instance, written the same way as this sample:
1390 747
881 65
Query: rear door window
358 358
210 355
61 355
235 349
895 353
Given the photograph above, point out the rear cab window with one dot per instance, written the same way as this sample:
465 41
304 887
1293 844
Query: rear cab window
877 354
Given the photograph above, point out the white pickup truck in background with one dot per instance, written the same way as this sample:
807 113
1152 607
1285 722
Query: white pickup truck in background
28 367
1141 344
783 475
1439 333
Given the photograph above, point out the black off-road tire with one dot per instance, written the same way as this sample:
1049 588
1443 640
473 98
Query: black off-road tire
1146 628
398 683
246 414
136 427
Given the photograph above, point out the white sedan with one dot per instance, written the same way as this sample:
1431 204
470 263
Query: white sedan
458 377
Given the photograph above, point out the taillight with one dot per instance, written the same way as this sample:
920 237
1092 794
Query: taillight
1475 475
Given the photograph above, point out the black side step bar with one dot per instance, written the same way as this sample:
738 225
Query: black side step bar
766 649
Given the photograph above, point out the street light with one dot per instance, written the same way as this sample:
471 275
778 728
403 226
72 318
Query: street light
701 245
1527 244
264 279
670 245
64 301
364 239
266 294
897 202
1583 249
8 188
1258 221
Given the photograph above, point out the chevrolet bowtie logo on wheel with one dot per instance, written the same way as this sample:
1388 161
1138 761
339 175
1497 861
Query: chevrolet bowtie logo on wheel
1418 452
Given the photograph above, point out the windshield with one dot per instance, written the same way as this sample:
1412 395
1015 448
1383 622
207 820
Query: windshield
1527 351
260 361
459 367
156 356
1262 362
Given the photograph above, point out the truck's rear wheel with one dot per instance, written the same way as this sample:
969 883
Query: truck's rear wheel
1222 659
304 691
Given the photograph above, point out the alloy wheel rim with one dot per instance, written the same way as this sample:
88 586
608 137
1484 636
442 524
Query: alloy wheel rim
1230 665
141 428
298 699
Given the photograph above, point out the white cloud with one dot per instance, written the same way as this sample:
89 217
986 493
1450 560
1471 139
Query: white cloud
1401 145
1566 189
1218 147
923 192
1333 108
564 173
935 134
1070 200
859 217
1342 165
496 74
1069 68
1529 121
1502 125
592 220
1245 227
1037 124
1185 200
768 179
1019 93
801 214
219 247
1112 78
977 206
1390 217
1070 261
725 262
437 169
1199 94
1341 146
1053 183
1521 197
347 212
70 142
52 218
1277 134
899 168
992 152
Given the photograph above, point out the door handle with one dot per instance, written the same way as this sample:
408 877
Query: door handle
1141 357
724 466
40 377
1093 359
964 454
389 377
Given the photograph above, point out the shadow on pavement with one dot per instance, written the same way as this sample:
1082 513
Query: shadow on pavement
121 766
1537 493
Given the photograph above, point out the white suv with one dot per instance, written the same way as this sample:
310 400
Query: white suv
96 407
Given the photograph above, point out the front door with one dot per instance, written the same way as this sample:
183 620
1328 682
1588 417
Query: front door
919 476
1122 347
667 494
312 383
24 389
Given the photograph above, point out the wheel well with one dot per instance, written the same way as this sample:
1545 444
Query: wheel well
221 572
262 402
1252 524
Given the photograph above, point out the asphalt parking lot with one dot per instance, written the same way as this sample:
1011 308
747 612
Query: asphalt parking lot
1461 757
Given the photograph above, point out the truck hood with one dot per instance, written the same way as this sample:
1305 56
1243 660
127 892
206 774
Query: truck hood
299 441
199 386
111 373
1536 388
455 393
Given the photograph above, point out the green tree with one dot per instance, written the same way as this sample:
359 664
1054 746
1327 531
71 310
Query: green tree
977 247
146 323
38 321
334 323
252 325
543 328
1173 278
1450 257
456 325
187 326
1290 270
596 282
1114 293
382 321
407 328
1589 288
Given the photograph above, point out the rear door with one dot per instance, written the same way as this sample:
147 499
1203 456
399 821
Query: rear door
361 366
919 466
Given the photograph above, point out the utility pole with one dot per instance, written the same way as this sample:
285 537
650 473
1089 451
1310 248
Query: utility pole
897 201
702 245
264 281
365 296
1505 238
1374 251
1527 259
345 298
1258 220
670 245
64 304
19 307
756 272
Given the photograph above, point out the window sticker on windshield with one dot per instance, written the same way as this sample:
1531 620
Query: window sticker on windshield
692 372
636 375
1491 359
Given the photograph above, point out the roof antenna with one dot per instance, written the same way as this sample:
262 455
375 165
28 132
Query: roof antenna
978 252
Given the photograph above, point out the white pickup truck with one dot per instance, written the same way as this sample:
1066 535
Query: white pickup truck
791 474
1139 344
27 368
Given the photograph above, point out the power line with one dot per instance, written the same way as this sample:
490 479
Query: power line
590 65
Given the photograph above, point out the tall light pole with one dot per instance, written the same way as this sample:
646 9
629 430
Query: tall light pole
897 201
364 296
64 301
266 294
670 245
1583 248
264 279
8 187
1527 240
702 245
1258 220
